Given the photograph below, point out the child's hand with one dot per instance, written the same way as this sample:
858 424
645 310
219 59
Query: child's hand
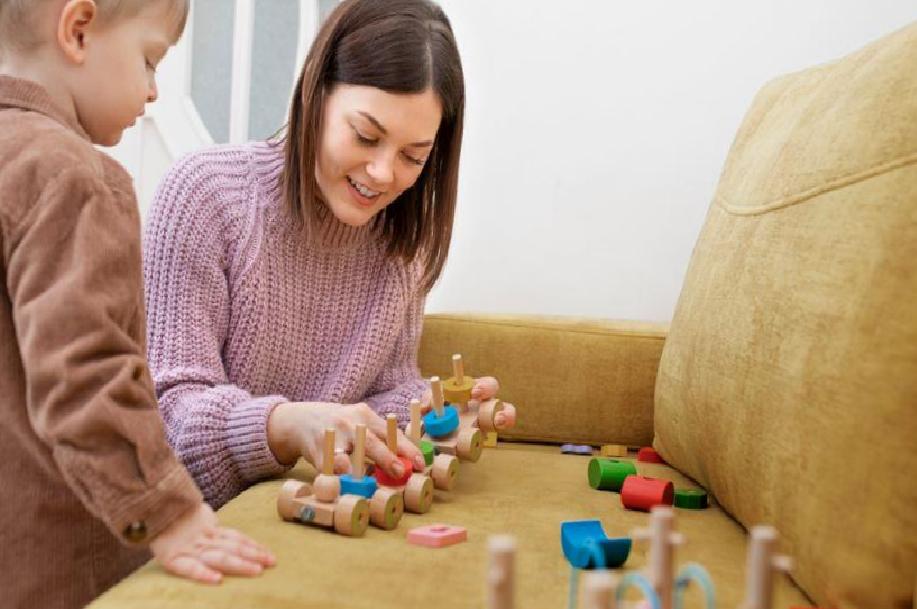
486 388
298 429
196 547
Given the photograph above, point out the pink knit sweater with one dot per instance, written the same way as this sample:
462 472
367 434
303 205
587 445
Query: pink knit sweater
245 313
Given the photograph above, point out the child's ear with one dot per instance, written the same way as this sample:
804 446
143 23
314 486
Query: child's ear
74 22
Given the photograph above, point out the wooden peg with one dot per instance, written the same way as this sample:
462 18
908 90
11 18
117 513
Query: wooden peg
760 567
359 453
415 422
599 590
328 457
662 559
391 435
458 369
437 386
501 567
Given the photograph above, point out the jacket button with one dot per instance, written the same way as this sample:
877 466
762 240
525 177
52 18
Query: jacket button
135 532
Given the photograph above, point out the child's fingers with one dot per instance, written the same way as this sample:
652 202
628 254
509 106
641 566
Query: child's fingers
229 563
236 548
190 567
485 388
248 547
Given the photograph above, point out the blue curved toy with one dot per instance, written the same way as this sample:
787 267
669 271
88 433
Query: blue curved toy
695 572
365 487
637 580
586 546
439 427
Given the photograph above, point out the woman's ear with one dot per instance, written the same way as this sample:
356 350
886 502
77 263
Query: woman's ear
73 24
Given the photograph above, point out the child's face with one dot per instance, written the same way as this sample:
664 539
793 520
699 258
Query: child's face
117 77
372 147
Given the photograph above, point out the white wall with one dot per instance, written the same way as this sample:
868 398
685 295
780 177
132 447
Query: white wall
595 134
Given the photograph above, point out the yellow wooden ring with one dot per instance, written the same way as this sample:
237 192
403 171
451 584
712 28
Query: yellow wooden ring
458 393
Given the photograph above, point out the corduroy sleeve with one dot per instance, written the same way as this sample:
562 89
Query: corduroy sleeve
74 278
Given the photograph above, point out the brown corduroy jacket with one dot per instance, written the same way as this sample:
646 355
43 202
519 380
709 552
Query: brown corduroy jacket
86 475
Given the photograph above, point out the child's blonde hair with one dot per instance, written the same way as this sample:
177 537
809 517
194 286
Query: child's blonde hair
19 31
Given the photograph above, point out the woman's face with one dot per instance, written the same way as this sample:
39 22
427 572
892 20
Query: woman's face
372 147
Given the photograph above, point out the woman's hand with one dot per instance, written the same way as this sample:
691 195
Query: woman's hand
297 429
196 547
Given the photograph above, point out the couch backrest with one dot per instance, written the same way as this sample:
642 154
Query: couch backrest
583 381
788 383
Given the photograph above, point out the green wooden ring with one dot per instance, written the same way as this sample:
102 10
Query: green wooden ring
609 474
691 498
429 451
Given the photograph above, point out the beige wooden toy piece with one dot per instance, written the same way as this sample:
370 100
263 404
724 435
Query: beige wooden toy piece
321 502
444 469
490 439
457 390
418 491
760 568
386 507
501 572
599 589
327 486
466 442
613 450
662 540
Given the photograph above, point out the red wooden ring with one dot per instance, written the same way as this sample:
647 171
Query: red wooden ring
642 493
385 480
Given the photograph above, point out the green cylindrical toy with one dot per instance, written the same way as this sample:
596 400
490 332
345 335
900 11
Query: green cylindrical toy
428 452
609 474
691 499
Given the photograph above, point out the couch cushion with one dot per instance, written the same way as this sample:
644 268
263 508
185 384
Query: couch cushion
523 490
788 383
586 381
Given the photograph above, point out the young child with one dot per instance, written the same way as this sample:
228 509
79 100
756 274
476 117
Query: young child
286 280
88 480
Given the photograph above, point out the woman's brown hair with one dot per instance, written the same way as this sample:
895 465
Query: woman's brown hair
399 46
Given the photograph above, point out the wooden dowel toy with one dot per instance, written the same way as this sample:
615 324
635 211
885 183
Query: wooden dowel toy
437 386
458 369
501 572
415 422
391 435
359 453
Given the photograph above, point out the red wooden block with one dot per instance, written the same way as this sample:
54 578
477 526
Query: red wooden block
642 493
648 454
437 535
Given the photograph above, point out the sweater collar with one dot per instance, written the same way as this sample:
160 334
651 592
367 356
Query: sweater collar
28 95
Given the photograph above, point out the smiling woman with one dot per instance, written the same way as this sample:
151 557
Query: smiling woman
286 279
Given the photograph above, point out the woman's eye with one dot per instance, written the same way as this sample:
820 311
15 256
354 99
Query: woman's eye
364 140
414 160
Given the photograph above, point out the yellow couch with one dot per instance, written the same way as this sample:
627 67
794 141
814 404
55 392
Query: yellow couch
786 385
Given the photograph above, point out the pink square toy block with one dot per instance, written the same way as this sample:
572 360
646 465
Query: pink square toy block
437 535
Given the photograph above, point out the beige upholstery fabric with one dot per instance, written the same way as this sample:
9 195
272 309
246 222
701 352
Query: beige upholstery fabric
519 489
585 381
788 384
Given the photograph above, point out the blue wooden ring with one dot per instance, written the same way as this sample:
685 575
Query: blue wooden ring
439 427
365 487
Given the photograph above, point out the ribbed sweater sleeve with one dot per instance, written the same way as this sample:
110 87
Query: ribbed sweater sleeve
400 379
217 429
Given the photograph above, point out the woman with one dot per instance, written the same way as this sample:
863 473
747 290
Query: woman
286 279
